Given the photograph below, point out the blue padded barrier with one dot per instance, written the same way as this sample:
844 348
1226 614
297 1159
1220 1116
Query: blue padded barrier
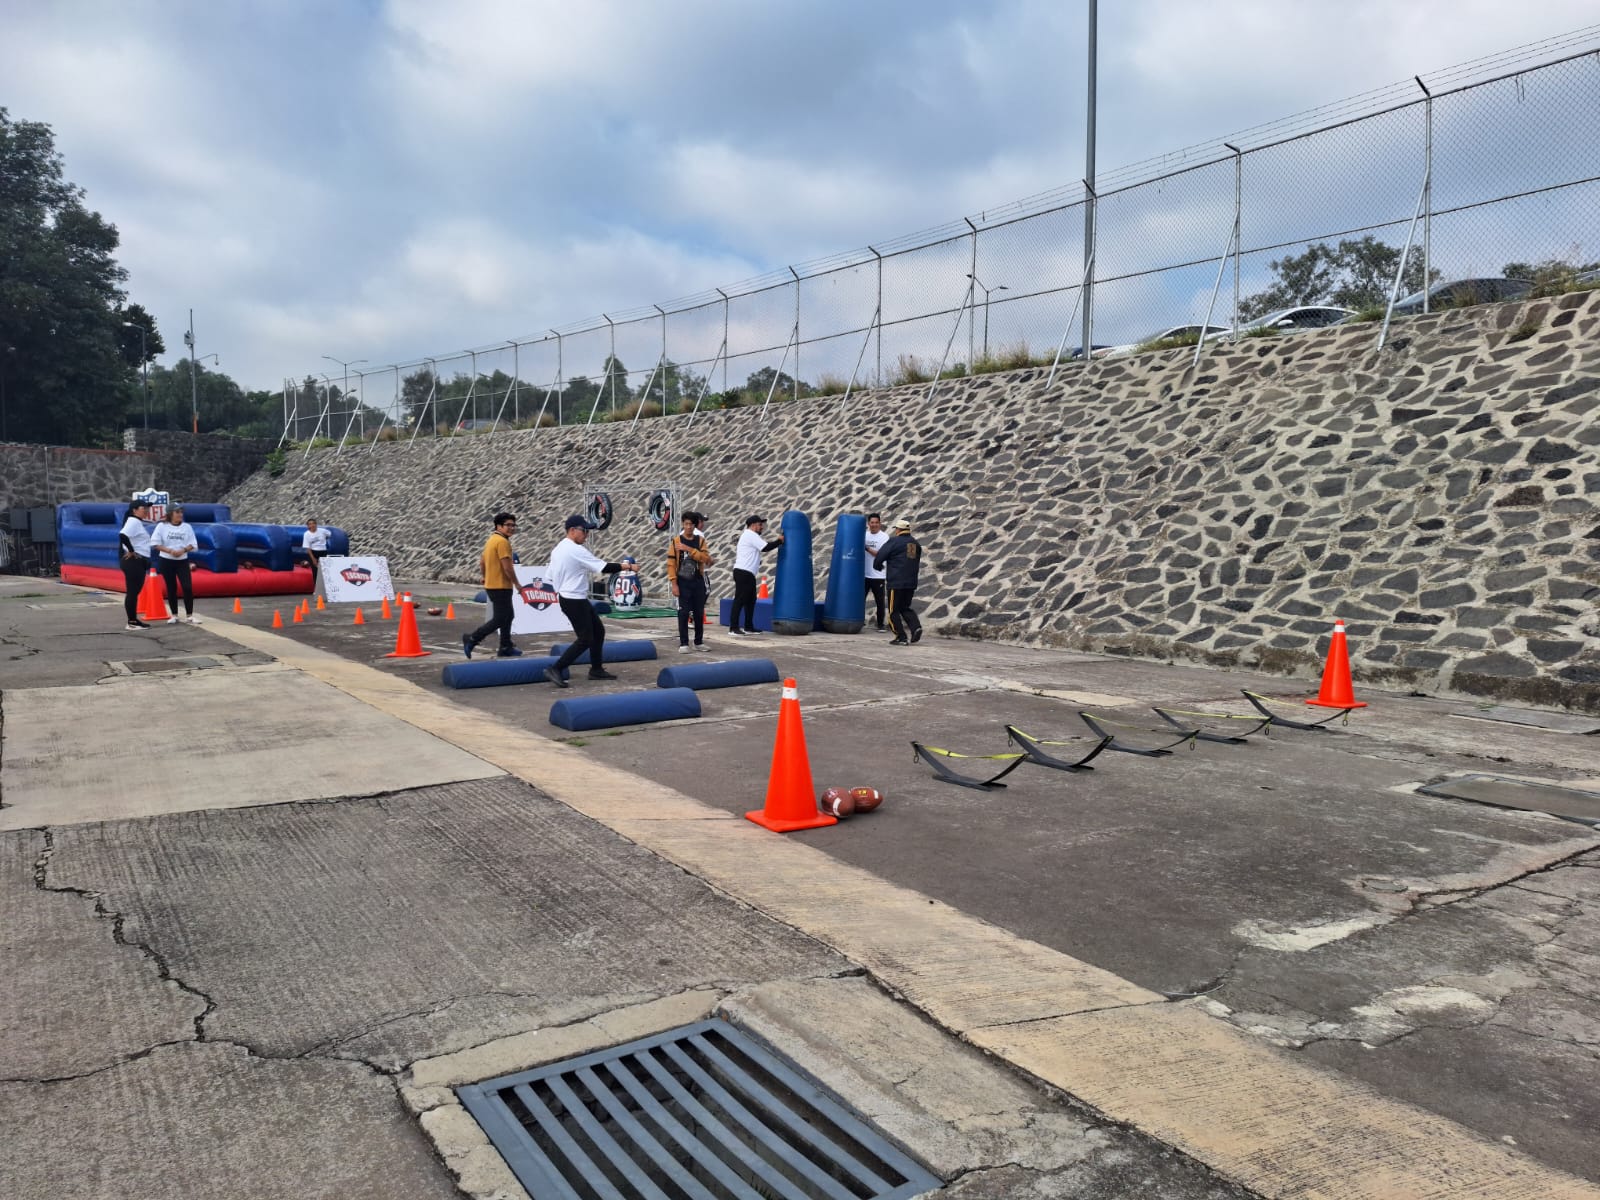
496 672
577 713
845 608
794 584
635 651
703 676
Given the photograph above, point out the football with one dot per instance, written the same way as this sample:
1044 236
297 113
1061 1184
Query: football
836 802
434 612
865 799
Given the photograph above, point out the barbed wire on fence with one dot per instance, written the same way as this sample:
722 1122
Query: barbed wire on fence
1477 168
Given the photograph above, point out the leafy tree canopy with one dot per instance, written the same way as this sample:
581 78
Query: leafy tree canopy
1357 273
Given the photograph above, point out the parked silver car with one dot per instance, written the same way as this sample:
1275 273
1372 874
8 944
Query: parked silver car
1305 316
1463 293
1161 335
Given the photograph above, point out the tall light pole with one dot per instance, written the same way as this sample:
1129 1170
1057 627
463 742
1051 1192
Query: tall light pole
144 367
1000 287
194 379
346 366
1089 200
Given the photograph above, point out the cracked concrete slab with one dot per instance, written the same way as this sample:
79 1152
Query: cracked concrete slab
73 998
420 923
210 1120
245 736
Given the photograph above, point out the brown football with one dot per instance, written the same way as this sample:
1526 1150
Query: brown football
434 612
837 802
865 799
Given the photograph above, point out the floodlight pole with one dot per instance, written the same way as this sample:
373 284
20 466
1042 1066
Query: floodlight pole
144 368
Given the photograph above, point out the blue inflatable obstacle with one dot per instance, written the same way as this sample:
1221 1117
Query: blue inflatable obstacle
578 713
794 588
641 650
702 677
497 672
234 558
845 608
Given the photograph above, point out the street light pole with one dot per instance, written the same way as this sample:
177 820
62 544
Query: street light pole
986 290
194 379
144 369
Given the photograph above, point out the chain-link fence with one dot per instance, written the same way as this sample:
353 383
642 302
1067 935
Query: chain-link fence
1485 172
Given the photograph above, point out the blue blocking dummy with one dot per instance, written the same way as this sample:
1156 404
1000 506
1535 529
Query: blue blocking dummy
845 608
794 594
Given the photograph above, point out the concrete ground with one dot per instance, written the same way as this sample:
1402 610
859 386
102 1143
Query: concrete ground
392 888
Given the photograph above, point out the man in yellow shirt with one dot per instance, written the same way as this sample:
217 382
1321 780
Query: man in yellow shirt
499 580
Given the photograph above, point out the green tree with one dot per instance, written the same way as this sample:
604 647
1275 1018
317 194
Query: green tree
415 392
63 376
1357 273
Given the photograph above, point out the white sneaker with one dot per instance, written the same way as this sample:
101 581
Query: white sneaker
702 647
683 648
131 626
194 621
172 620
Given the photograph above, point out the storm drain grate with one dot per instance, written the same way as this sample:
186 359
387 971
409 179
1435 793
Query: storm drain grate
704 1112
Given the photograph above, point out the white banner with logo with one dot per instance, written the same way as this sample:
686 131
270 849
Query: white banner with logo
535 607
355 579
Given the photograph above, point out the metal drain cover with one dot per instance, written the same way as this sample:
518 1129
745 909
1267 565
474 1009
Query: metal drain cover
705 1112
1553 799
145 666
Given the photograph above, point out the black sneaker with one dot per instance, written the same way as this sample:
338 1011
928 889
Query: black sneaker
508 652
916 635
735 633
467 644
601 673
554 676
899 642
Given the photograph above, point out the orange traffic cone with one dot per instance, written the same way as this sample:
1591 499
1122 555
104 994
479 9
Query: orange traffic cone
386 613
237 607
791 797
277 618
762 593
407 644
450 611
298 616
320 604
360 620
152 604
1336 691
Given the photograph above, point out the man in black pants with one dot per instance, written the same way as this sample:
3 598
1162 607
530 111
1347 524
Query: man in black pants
499 581
571 565
746 562
134 542
901 560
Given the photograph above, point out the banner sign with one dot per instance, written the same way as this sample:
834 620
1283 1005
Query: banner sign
535 607
355 580
158 502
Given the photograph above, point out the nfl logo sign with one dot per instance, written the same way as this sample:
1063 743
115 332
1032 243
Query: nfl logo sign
158 502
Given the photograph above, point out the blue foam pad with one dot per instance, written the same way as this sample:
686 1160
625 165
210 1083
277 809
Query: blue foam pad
763 613
577 713
636 651
497 672
734 673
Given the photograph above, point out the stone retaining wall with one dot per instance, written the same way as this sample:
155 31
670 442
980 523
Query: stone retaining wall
200 469
1438 495
43 476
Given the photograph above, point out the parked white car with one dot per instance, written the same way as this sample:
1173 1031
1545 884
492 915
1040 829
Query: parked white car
1161 335
1305 316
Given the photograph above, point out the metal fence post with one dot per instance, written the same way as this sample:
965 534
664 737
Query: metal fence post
1427 191
1238 227
877 375
796 275
724 296
972 313
561 385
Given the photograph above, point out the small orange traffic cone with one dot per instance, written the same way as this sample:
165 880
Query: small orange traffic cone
407 644
320 604
360 620
450 611
277 618
386 613
1336 690
762 593
791 796
152 604
298 616
237 607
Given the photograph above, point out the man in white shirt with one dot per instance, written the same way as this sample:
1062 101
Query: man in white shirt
134 541
876 537
315 543
571 567
746 562
173 541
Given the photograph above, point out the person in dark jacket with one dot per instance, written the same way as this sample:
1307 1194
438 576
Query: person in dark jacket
900 559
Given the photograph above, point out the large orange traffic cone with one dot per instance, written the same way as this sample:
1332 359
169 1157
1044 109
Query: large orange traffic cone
450 611
152 604
791 797
408 644
386 613
1336 691
360 620
277 618
762 593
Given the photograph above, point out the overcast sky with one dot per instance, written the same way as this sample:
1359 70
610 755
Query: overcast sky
387 179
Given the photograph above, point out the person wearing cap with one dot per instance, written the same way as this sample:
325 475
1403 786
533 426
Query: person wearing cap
173 541
746 562
876 537
687 560
499 580
134 541
571 567
900 559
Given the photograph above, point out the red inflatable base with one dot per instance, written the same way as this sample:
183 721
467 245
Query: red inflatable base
247 581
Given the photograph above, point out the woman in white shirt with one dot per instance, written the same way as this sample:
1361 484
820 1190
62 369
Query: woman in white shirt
172 541
133 541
